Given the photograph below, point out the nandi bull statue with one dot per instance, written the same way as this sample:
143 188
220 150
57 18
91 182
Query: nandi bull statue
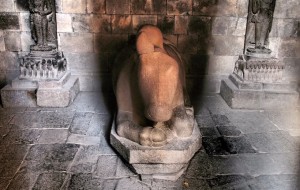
154 129
153 106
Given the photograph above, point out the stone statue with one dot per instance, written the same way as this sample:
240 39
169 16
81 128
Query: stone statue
259 26
41 12
149 83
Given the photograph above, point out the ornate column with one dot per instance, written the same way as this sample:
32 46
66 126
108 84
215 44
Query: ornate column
257 81
44 77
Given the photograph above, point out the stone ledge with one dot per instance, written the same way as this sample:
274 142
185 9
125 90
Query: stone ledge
268 98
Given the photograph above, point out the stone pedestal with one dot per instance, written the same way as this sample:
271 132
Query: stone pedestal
168 162
258 95
42 92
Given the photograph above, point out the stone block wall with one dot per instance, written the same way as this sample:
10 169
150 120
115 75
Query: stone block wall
208 33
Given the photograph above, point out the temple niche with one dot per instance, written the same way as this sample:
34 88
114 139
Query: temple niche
257 81
44 78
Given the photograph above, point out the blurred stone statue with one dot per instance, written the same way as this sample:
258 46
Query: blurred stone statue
149 83
260 19
41 13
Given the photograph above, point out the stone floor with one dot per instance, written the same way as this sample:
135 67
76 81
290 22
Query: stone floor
48 148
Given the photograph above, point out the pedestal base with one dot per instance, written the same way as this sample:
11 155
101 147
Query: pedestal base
168 162
44 93
258 95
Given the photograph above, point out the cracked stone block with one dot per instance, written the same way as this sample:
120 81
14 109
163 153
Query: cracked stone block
84 181
237 145
18 97
53 180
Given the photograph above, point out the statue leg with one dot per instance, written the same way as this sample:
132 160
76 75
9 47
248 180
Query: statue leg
44 30
182 121
258 35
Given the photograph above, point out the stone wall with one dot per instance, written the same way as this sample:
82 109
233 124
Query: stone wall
209 34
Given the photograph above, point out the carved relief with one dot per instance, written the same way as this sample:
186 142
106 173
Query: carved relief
43 61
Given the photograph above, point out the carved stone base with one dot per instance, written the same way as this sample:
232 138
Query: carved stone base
240 94
44 93
43 65
168 162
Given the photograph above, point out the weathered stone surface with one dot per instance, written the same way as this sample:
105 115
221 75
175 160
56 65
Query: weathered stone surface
23 180
148 7
281 181
215 146
53 180
277 141
91 23
289 48
77 42
2 43
110 43
200 25
131 183
114 7
166 24
230 181
287 10
174 152
9 21
229 26
8 168
12 41
7 6
181 25
74 6
228 45
139 20
106 166
236 145
188 44
64 22
215 8
121 24
83 139
53 97
53 136
209 132
229 130
96 6
22 5
179 7
14 152
84 181
18 97
257 99
26 40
